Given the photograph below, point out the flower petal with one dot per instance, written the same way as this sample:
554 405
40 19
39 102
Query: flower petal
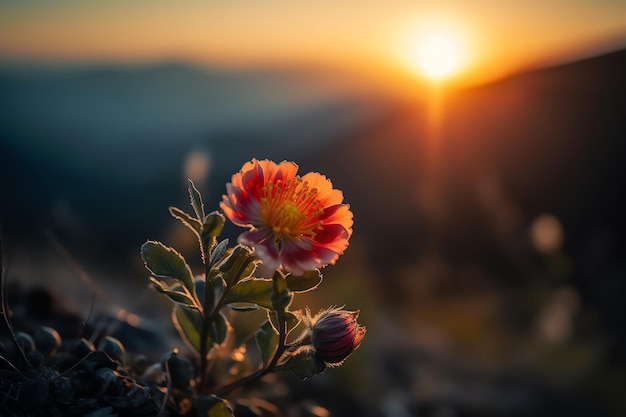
299 223
264 246
296 256
327 195
239 207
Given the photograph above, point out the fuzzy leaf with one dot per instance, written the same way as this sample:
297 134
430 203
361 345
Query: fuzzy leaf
244 308
194 224
280 297
307 282
219 252
240 264
177 296
267 340
213 224
218 286
305 364
188 323
291 320
252 290
212 406
164 262
196 201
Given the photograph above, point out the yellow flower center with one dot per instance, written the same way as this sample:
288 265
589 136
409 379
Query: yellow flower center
290 209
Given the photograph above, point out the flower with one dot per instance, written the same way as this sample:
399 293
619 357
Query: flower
335 334
297 222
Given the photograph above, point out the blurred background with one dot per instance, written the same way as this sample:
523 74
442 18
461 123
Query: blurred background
480 145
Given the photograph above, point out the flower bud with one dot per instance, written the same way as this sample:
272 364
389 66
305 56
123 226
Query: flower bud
336 334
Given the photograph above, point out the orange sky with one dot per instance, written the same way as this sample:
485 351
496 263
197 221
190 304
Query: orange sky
495 38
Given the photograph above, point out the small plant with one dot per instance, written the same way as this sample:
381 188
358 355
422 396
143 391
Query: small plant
296 225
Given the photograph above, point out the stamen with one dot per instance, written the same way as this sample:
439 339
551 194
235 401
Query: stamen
291 209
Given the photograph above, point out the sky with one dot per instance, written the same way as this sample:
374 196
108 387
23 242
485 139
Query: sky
493 37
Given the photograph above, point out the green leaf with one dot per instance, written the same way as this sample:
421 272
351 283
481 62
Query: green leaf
305 364
196 201
217 288
188 323
180 370
212 406
218 252
252 290
177 296
280 296
194 224
244 308
240 264
267 340
213 224
291 320
303 283
164 262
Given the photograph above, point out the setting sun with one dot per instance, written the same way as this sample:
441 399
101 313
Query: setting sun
437 56
435 50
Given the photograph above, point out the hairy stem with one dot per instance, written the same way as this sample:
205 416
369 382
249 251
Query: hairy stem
280 318
265 370
209 314
206 314
220 302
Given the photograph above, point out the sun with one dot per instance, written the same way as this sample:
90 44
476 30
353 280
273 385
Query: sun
436 55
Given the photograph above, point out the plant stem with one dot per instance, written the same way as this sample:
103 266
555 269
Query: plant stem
220 303
206 314
209 314
280 349
270 367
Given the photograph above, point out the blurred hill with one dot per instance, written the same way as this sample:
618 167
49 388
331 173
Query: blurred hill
508 250
548 141
93 151
551 137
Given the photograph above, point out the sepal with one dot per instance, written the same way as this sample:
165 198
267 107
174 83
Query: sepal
305 364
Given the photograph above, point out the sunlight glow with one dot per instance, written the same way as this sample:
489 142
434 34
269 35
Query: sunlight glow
436 49
437 56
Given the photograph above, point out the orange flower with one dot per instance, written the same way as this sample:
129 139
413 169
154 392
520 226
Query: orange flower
297 222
